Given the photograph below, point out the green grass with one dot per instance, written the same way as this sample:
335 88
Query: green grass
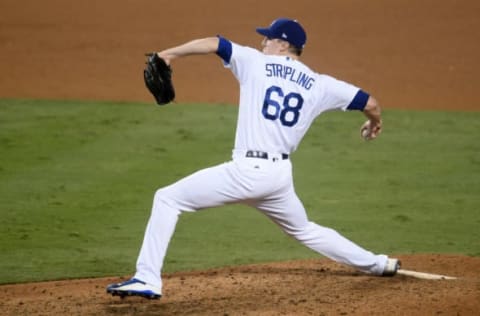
77 181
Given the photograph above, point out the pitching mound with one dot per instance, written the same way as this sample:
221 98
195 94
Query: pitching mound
310 287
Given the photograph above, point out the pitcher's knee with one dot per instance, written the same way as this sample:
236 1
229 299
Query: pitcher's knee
160 195
308 231
162 202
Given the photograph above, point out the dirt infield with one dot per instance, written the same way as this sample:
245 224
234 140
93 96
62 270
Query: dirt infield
313 287
409 54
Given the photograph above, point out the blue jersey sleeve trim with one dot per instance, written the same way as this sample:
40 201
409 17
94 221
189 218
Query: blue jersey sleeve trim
224 49
359 101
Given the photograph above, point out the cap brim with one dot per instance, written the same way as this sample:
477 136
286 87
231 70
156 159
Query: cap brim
264 31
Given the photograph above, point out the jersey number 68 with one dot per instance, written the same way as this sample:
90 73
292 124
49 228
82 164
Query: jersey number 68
277 105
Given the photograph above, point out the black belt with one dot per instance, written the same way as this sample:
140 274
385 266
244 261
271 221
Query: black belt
261 154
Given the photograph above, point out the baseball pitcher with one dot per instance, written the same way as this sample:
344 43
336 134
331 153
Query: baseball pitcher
279 98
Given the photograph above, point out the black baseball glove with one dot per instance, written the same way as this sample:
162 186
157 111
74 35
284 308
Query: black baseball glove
158 79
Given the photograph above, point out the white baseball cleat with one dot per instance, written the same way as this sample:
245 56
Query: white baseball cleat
134 287
391 267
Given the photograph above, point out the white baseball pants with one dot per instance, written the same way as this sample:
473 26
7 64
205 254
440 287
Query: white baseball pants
265 184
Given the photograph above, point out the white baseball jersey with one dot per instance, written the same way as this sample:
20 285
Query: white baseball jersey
279 99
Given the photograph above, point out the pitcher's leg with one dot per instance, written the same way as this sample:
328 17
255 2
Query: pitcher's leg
331 244
158 234
290 215
206 188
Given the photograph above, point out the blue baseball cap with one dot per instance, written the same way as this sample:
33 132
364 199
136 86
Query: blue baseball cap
287 30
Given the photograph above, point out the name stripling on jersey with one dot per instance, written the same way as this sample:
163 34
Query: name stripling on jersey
290 74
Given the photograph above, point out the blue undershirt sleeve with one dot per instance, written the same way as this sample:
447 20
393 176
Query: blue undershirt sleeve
359 101
224 49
